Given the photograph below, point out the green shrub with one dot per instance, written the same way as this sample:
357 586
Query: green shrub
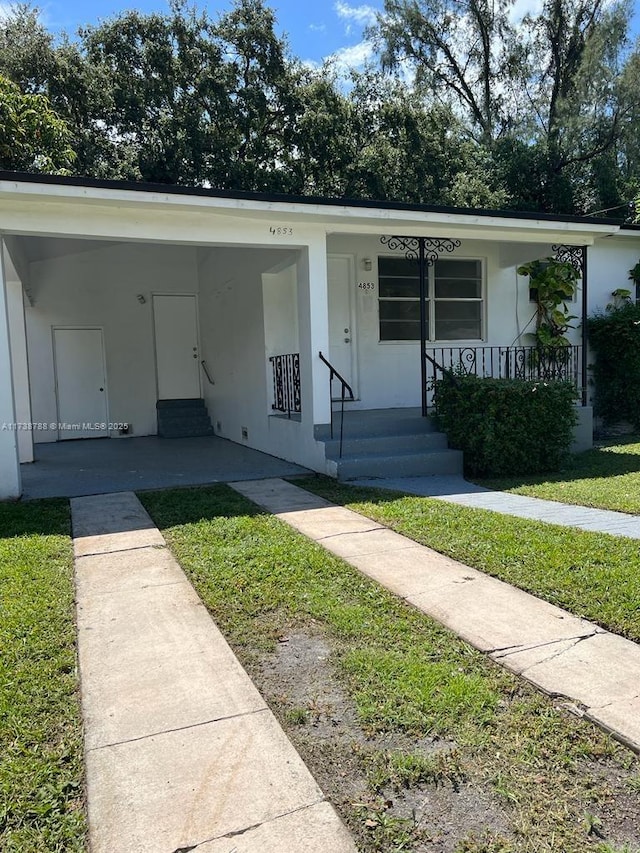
507 426
614 337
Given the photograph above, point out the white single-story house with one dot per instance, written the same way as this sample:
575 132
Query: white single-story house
115 296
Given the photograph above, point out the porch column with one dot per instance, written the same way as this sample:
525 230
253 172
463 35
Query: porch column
10 484
577 256
313 309
20 363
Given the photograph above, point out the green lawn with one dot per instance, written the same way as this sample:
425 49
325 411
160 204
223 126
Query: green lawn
607 477
593 575
41 774
557 777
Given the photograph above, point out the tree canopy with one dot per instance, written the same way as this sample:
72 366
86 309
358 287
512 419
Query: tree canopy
32 137
465 105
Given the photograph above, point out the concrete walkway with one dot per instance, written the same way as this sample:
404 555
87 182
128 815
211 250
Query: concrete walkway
181 751
456 490
563 655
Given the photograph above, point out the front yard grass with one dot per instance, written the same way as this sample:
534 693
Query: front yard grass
455 727
41 774
593 575
607 477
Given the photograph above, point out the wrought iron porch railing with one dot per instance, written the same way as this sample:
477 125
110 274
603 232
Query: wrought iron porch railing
532 364
344 389
286 383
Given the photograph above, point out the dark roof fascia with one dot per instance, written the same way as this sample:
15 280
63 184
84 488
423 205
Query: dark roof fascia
244 195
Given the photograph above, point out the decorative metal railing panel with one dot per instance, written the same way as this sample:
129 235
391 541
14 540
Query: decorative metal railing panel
286 383
531 364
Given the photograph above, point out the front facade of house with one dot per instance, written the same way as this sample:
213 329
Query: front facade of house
114 297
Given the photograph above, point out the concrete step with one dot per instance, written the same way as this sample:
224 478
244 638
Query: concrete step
188 402
385 444
183 419
377 422
353 467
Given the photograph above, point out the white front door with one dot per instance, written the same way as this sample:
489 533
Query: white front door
177 352
80 383
342 340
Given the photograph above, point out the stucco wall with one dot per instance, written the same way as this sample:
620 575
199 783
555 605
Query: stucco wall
389 372
235 346
99 288
609 263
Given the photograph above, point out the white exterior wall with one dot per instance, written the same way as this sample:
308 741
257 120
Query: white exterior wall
10 485
389 372
609 262
99 288
235 347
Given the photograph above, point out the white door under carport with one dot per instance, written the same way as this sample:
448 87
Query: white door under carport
80 383
175 318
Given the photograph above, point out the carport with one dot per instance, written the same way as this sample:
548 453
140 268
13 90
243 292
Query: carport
96 466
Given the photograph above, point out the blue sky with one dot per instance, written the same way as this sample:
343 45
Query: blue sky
328 28
315 32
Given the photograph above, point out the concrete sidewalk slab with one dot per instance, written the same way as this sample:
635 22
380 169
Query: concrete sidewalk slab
455 489
310 830
155 662
107 523
179 789
558 652
181 750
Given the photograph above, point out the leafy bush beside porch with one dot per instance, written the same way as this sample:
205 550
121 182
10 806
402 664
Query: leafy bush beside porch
507 426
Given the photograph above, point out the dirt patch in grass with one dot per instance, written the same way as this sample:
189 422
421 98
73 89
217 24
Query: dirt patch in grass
402 792
369 774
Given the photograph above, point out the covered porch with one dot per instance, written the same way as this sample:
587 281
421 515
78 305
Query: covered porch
94 466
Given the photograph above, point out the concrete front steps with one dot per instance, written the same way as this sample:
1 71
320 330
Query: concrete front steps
187 418
387 443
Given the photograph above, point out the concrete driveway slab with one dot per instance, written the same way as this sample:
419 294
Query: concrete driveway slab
110 572
280 495
379 540
309 830
596 671
412 571
152 660
106 523
492 615
620 717
178 789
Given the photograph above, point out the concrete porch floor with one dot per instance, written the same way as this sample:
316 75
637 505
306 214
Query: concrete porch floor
103 465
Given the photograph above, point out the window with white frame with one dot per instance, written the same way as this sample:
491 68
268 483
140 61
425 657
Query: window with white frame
454 299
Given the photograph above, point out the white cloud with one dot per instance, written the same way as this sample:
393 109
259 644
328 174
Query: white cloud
363 15
525 7
353 56
317 28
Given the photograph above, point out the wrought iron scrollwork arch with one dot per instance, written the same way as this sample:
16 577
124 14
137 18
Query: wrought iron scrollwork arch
573 255
433 246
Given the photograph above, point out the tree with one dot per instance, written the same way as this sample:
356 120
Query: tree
32 137
462 53
551 90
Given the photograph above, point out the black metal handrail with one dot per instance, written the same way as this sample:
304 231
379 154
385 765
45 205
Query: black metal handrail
344 386
203 363
528 363
286 383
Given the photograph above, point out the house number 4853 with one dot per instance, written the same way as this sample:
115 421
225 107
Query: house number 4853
366 285
281 231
